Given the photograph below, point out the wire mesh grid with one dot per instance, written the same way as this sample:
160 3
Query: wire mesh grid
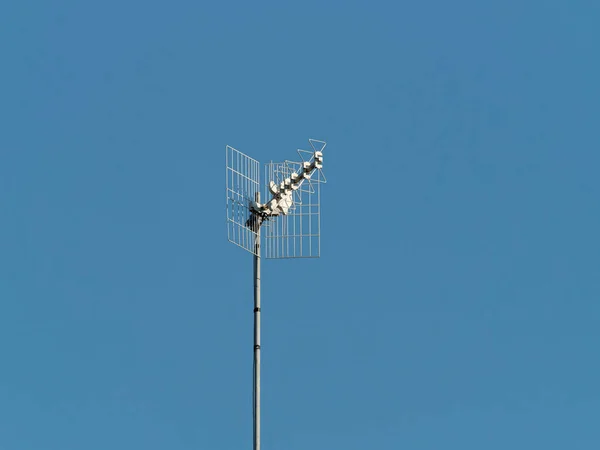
297 234
242 184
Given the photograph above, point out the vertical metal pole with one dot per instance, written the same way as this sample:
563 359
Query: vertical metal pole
256 387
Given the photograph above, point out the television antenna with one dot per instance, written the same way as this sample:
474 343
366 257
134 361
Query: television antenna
288 224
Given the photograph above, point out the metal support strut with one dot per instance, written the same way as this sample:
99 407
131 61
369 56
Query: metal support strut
256 363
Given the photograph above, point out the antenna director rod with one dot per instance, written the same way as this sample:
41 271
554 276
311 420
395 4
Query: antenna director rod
281 201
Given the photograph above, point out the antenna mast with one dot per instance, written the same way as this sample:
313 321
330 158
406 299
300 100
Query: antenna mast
256 362
291 218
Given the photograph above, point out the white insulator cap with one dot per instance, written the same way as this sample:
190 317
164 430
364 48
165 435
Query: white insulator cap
286 203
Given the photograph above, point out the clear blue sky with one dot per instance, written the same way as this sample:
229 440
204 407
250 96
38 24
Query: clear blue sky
456 303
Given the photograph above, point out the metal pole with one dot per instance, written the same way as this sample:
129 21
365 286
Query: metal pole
256 364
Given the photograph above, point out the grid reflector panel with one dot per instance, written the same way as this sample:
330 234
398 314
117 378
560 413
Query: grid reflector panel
297 234
242 183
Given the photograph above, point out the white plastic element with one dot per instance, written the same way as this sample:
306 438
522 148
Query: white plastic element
282 200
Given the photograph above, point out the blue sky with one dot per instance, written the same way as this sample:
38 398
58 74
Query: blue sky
455 305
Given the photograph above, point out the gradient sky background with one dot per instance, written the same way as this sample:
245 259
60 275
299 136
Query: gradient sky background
456 303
